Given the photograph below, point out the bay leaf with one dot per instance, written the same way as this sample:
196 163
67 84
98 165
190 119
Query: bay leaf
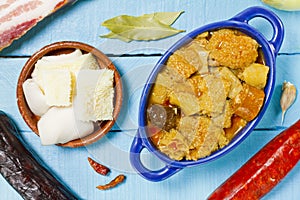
165 17
112 35
146 27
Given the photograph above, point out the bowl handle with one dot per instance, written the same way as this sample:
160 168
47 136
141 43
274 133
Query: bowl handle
135 159
277 25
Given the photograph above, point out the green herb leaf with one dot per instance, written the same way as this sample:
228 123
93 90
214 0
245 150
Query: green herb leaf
112 35
165 17
146 27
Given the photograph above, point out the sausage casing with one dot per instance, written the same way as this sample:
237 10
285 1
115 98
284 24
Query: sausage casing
265 169
23 170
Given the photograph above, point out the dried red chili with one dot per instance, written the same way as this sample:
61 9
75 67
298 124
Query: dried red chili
119 179
101 169
265 169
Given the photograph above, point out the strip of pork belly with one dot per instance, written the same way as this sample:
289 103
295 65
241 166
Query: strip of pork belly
19 16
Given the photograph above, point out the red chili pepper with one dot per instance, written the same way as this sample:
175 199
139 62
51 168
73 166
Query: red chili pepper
265 169
119 179
101 169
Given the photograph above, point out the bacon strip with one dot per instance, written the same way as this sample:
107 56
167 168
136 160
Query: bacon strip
27 7
19 16
6 4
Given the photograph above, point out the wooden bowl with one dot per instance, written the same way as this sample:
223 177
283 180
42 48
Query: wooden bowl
64 47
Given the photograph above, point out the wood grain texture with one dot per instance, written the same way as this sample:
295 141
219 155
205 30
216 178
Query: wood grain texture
198 182
134 72
81 22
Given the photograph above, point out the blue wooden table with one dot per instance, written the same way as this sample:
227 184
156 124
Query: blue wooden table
135 60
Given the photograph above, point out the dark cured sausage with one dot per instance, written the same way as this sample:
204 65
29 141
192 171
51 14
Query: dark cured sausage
265 169
22 169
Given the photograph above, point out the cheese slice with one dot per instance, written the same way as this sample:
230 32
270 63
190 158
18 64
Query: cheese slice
57 86
104 95
94 98
73 62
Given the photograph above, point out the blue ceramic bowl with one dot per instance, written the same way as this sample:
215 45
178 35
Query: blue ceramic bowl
270 49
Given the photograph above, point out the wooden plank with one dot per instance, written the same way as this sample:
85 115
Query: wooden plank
197 182
132 83
134 72
286 70
9 73
81 22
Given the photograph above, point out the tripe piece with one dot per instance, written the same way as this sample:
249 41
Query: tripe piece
59 125
235 83
231 49
57 87
196 55
248 102
181 65
95 92
35 98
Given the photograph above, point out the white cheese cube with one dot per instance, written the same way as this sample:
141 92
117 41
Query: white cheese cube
95 92
57 87
104 96
74 63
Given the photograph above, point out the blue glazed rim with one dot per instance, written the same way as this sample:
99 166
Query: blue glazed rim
270 49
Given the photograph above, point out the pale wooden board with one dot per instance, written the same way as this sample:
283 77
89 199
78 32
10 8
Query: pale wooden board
82 22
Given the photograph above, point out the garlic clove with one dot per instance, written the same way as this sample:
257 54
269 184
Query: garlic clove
288 97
